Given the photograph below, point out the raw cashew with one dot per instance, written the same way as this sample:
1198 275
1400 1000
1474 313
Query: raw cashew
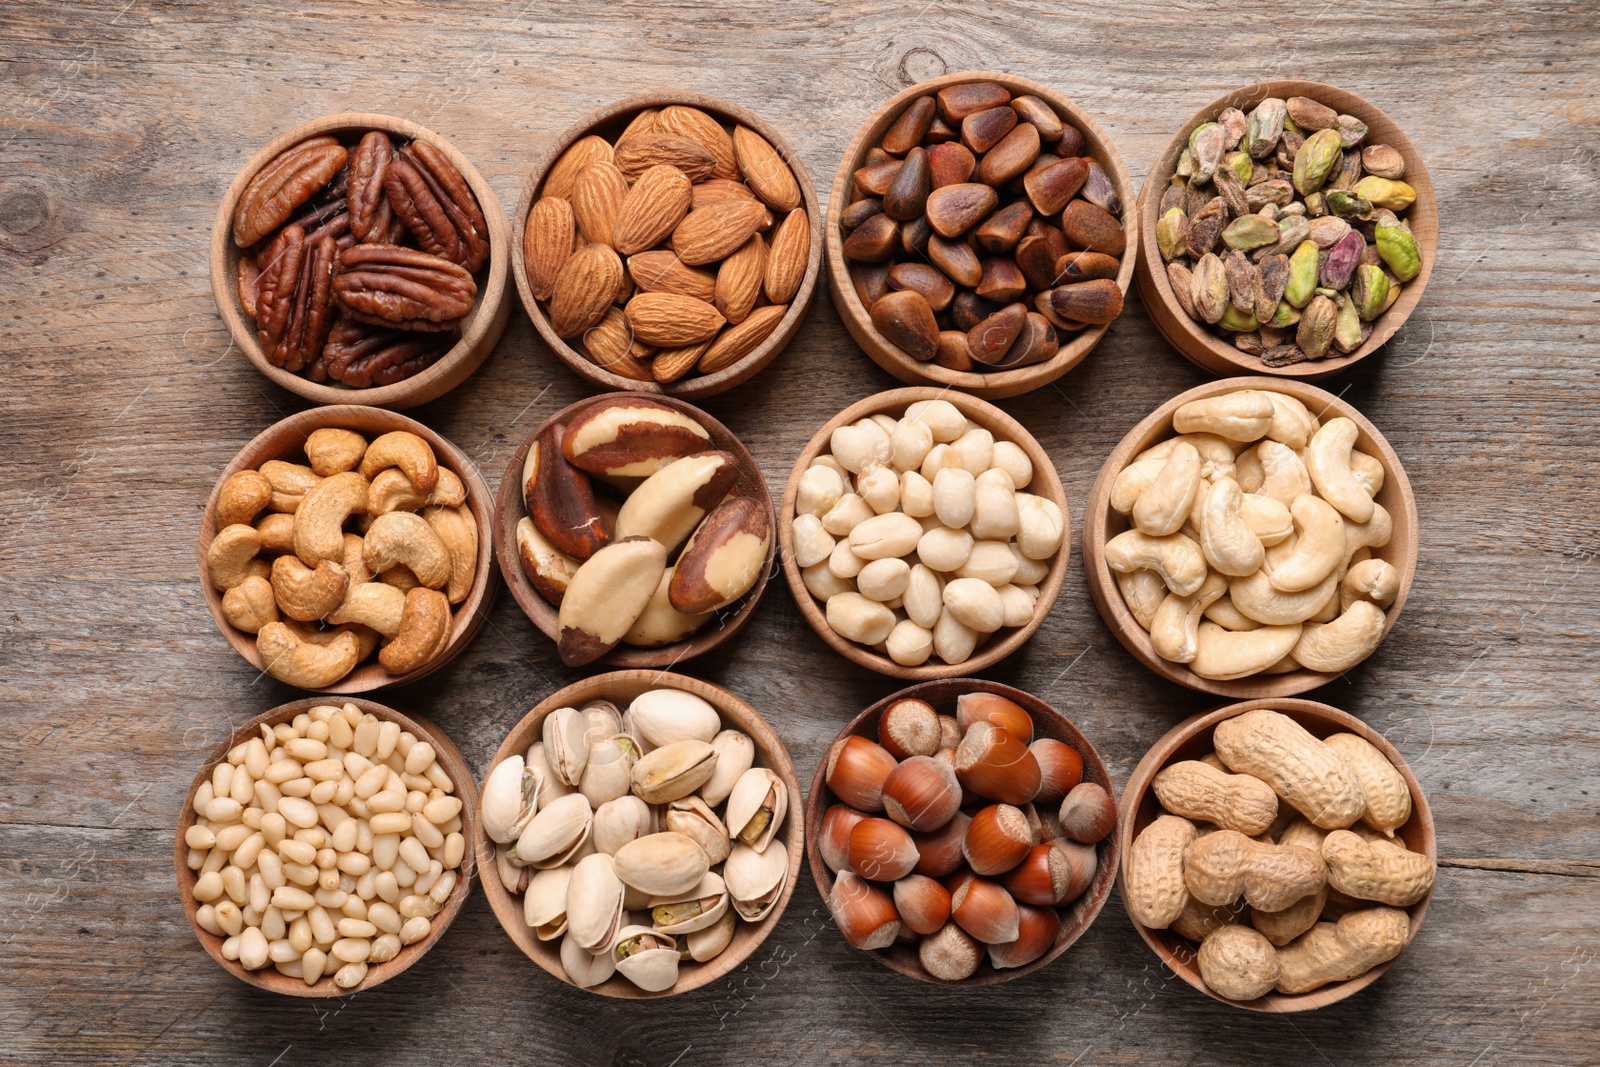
1217 454
424 630
1143 591
231 556
1242 415
1368 472
1337 952
242 497
366 637
1257 598
1247 470
277 532
1372 579
1176 558
308 593
1228 543
1286 665
1174 631
391 490
1132 481
403 449
1317 549
1344 642
1265 517
1284 477
334 451
372 604
1226 615
319 520
1292 423
405 537
1328 463
1374 533
458 529
290 483
250 605
1162 508
289 658
1224 654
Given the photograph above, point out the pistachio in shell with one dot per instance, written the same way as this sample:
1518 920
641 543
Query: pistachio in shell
585 969
661 864
556 833
684 913
708 943
736 753
755 879
659 717
692 817
673 771
756 807
544 903
509 800
594 902
616 822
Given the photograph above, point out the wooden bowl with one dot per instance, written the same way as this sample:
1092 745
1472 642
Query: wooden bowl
284 440
1191 739
378 973
609 122
1045 483
1196 341
509 509
621 687
1101 523
1047 722
480 330
991 384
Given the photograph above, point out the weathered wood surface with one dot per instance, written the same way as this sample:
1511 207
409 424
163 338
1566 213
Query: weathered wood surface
121 124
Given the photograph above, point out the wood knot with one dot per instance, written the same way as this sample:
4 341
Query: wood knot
920 64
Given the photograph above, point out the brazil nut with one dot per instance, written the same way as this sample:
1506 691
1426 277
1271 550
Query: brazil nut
723 558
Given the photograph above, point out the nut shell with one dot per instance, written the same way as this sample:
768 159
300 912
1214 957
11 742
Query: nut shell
997 839
922 794
996 764
881 851
857 770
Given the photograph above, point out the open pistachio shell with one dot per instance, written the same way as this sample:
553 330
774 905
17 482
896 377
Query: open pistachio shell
616 822
707 944
684 913
674 770
594 902
693 818
661 716
566 744
603 720
510 799
662 864
556 833
550 787
755 808
647 958
512 875
544 903
607 774
583 967
736 753
755 879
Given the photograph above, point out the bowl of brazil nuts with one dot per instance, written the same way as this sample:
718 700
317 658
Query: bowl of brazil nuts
670 243
1312 259
362 259
924 533
324 848
961 831
641 833
1278 854
634 531
977 234
342 528
1251 537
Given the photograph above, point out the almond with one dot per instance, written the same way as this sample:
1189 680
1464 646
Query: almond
652 209
583 151
597 195
638 153
705 131
671 364
663 272
714 189
714 231
668 320
584 289
547 242
788 256
610 342
765 171
643 122
739 279
739 341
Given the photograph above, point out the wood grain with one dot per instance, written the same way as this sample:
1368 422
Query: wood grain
120 401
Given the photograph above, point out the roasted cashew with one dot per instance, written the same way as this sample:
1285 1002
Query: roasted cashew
403 449
334 451
1368 472
1344 642
290 658
290 483
1162 508
458 530
1224 654
231 556
424 631
400 577
1292 423
1143 592
1373 579
1328 463
242 497
319 521
1267 518
1225 538
1318 547
1174 632
1176 558
1255 597
1226 615
366 637
307 593
355 560
1284 477
1243 415
372 604
250 605
405 537
391 490
276 530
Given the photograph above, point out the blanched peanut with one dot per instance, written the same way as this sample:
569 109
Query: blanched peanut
989 561
944 549
880 488
954 497
909 644
924 596
855 618
847 512
953 640
916 495
820 489
1009 457
995 515
975 603
884 579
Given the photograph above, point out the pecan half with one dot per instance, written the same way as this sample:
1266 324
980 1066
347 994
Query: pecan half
296 299
403 288
361 355
249 282
370 213
283 185
430 195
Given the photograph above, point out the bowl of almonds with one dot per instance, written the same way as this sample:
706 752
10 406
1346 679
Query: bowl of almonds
362 259
978 237
1289 229
670 243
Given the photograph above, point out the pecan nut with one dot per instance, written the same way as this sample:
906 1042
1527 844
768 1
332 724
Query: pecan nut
284 184
370 213
387 285
361 355
429 194
295 298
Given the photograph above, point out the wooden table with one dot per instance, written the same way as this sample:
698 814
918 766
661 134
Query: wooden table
121 124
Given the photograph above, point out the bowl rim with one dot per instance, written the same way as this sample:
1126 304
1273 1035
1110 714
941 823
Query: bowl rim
466 789
735 712
1081 912
988 384
699 386
508 502
1196 727
996 648
1401 550
468 617
1204 348
481 328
